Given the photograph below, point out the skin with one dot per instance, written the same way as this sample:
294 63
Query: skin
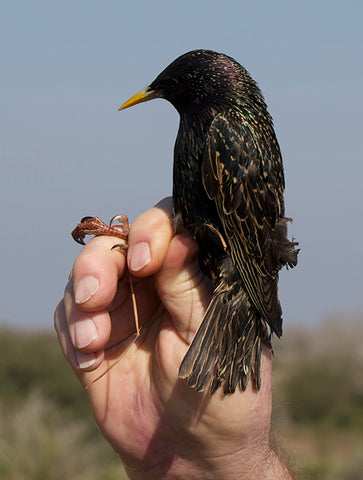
159 426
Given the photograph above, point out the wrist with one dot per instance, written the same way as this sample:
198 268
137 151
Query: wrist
255 462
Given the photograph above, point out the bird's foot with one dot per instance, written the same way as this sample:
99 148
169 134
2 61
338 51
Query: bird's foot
118 227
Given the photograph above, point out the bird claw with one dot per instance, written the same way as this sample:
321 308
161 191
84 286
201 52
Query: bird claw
95 226
119 246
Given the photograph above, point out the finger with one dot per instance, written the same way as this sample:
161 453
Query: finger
79 361
92 332
135 309
88 331
182 287
149 239
96 272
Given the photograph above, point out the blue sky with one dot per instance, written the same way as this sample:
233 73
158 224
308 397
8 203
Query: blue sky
65 150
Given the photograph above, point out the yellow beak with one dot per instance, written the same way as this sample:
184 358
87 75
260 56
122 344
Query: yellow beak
143 96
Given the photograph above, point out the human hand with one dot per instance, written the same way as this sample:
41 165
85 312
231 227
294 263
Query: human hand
155 422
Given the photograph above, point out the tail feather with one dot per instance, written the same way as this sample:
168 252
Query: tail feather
199 363
226 350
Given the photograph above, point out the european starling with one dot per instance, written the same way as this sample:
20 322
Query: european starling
228 184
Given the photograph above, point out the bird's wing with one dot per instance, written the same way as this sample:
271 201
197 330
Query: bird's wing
247 188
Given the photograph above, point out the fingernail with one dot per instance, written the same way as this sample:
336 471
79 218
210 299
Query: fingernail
140 256
85 360
86 288
85 332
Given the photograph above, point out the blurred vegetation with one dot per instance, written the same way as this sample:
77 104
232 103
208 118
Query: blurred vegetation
318 398
46 427
47 431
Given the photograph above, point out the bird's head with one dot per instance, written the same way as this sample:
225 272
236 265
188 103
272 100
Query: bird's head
199 80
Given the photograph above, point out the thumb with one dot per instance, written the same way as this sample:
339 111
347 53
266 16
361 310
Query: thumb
182 287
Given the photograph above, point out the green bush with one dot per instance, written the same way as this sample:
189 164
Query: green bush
38 441
323 383
33 360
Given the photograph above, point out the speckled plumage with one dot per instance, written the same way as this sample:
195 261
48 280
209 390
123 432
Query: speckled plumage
228 185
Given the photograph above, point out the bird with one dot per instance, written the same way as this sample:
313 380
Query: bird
228 186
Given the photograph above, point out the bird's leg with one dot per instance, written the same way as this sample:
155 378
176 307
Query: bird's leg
118 227
223 242
95 226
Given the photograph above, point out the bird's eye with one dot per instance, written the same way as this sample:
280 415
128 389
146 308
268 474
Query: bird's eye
173 82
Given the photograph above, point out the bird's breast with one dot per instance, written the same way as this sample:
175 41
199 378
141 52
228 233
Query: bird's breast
192 206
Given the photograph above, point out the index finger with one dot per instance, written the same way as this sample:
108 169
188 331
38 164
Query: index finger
149 239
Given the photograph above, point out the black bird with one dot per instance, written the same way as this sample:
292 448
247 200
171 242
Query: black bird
228 184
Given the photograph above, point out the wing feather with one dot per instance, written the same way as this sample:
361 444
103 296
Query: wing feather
243 174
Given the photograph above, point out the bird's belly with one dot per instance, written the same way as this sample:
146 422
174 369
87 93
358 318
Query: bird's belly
192 210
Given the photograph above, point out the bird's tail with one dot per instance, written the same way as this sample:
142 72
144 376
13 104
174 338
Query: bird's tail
226 350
